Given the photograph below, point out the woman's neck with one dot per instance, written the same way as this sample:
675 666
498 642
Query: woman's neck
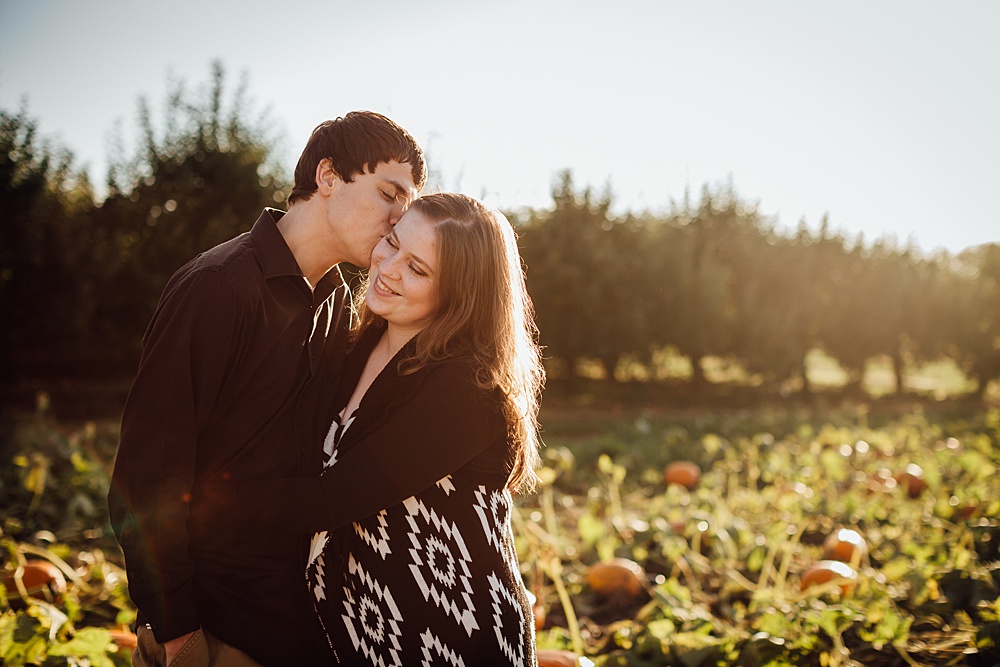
395 338
391 342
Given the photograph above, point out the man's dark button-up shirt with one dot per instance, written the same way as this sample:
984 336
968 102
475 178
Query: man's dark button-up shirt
236 336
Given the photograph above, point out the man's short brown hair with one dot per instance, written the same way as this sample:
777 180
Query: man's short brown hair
355 144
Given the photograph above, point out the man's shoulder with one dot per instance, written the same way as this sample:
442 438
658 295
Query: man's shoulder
228 270
238 253
236 258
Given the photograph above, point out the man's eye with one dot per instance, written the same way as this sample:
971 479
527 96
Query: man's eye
388 196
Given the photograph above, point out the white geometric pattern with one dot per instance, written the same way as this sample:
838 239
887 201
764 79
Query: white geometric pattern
372 618
381 543
440 563
493 509
434 650
502 598
445 485
316 547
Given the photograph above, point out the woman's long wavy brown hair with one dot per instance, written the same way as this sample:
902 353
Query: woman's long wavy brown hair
484 313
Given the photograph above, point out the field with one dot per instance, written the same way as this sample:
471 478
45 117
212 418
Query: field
716 571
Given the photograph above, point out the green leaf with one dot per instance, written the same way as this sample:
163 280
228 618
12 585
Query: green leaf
591 528
663 629
91 643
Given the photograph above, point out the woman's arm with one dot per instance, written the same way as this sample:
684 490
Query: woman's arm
442 428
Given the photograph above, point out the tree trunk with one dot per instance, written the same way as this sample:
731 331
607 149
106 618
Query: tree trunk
698 381
897 367
807 389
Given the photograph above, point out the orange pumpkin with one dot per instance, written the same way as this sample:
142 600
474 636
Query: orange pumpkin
41 579
684 473
539 613
912 480
842 545
619 575
123 639
537 610
829 570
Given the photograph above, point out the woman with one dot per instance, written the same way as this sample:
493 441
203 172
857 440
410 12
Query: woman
436 425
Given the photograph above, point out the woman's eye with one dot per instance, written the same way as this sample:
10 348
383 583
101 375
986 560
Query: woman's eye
416 270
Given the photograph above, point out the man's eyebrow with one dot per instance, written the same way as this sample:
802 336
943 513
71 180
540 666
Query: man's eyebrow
400 188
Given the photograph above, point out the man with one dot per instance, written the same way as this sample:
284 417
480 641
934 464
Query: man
238 334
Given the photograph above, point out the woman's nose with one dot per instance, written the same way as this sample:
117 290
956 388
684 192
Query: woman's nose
388 265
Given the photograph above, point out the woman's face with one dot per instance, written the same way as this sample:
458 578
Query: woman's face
403 277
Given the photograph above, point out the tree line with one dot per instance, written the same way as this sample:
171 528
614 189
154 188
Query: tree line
716 278
80 274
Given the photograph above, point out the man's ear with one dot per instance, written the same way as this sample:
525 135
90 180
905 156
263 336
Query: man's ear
326 176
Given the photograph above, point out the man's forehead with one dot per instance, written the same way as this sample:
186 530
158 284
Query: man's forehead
398 174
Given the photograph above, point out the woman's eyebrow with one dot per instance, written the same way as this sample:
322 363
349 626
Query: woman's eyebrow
425 265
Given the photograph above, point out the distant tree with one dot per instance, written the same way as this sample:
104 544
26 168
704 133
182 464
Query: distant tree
201 179
709 258
880 310
976 312
44 201
580 267
781 296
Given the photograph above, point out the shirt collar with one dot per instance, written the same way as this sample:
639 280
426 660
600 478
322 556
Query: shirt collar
276 257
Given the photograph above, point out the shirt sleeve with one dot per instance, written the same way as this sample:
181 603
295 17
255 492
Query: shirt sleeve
185 352
445 426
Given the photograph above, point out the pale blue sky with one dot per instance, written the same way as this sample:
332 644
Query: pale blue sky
886 115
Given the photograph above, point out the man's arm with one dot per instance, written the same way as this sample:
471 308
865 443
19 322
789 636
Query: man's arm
183 365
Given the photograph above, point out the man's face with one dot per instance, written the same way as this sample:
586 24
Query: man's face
364 210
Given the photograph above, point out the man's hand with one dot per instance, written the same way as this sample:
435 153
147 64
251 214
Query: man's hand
174 646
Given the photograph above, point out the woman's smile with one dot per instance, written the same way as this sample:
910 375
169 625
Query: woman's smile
382 287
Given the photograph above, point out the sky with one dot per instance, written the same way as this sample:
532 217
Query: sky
884 116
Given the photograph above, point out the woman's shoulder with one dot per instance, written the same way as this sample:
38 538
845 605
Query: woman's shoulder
458 373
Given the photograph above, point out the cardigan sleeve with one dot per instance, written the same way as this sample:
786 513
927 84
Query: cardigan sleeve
444 426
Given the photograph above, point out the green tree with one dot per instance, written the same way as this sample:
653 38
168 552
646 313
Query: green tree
975 314
201 179
777 310
879 310
44 202
580 267
708 254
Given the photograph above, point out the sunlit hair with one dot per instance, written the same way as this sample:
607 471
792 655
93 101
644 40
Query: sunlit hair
484 314
355 144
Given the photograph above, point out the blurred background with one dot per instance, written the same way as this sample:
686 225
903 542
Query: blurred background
761 237
776 198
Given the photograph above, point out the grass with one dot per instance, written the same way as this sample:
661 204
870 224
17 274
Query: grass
722 563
